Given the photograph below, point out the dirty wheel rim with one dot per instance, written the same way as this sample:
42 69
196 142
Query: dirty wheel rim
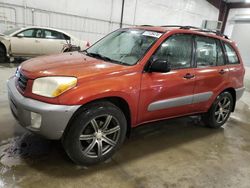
100 136
222 109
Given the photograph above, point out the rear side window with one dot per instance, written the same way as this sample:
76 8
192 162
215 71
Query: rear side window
231 54
49 34
177 50
208 52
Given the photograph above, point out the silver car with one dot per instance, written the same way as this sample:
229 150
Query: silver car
35 41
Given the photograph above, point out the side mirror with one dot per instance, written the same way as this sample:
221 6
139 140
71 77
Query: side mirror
20 35
159 65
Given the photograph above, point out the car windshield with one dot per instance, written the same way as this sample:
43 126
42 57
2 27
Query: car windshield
9 32
125 46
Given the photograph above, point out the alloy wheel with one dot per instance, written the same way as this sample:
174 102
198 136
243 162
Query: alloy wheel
222 109
99 136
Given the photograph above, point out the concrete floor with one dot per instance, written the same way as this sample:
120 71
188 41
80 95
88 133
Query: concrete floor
175 153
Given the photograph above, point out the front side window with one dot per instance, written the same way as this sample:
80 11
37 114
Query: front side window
177 51
28 33
124 46
49 34
32 33
231 54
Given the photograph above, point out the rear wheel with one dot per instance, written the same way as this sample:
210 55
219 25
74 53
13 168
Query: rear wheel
95 134
220 111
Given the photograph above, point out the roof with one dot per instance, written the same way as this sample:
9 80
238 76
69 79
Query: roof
40 27
49 28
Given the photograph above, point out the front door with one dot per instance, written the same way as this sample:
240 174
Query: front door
27 43
170 94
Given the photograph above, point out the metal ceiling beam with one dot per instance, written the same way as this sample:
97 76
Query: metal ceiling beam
223 15
216 3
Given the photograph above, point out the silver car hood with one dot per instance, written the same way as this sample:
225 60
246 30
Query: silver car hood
4 37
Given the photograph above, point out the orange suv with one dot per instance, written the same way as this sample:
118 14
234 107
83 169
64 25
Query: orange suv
91 99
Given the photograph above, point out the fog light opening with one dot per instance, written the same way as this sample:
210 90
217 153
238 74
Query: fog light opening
36 120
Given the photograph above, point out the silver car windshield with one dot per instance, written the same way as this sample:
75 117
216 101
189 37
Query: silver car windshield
9 32
125 46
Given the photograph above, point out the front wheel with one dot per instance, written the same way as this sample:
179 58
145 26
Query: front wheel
220 111
95 134
3 57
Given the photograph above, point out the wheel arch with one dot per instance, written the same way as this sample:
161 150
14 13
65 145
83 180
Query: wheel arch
121 103
4 47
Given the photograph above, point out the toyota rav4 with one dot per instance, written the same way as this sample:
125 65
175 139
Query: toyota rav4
91 99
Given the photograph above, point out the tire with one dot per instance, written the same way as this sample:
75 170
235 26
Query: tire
95 134
220 111
3 57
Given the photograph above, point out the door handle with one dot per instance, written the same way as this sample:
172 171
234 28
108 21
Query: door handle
37 41
222 71
189 76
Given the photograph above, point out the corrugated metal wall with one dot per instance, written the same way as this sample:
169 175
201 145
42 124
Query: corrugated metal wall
92 19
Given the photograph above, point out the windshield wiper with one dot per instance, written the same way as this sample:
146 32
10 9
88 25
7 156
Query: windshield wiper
99 56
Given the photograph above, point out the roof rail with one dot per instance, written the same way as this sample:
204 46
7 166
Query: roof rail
171 26
193 27
198 29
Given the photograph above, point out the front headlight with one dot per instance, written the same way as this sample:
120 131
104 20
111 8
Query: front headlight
53 86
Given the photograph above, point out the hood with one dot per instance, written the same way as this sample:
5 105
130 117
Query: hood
6 37
69 64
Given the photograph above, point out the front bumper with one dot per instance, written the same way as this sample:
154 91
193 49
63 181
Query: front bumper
54 118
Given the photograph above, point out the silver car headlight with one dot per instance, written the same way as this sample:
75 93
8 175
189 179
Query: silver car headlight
53 86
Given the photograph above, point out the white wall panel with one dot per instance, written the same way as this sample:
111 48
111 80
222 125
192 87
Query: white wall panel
162 12
92 19
238 28
234 15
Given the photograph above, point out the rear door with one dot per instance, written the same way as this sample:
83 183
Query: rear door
27 43
170 94
211 71
54 41
236 69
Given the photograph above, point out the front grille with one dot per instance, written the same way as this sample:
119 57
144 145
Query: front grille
22 81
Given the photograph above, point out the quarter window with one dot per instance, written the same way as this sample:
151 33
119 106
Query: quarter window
177 51
231 54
